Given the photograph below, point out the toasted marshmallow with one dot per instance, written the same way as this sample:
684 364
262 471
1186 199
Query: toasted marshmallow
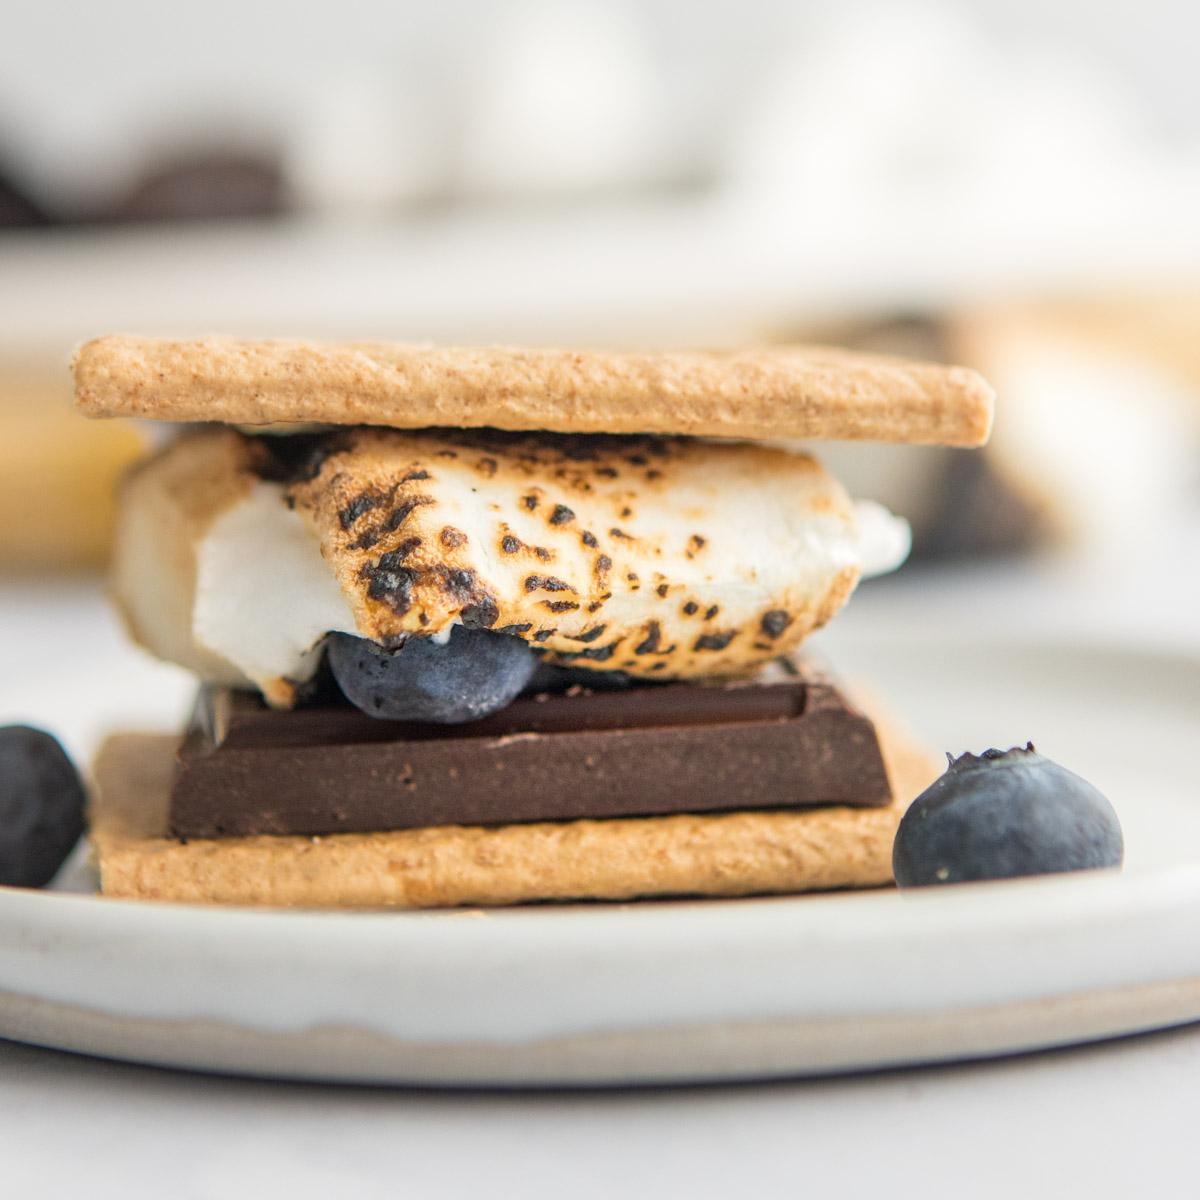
667 559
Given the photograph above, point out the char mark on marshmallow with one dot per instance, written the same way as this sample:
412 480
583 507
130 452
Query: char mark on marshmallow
298 458
363 503
715 641
775 622
590 635
390 583
546 583
650 644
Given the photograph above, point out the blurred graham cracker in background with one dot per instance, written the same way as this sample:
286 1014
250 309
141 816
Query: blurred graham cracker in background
57 471
1101 427
1097 427
1160 327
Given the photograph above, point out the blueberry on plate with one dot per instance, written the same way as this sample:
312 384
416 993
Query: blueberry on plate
41 806
475 673
1003 814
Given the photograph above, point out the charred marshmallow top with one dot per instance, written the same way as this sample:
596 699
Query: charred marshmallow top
666 558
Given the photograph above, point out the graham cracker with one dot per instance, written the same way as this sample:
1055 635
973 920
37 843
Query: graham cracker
734 854
794 392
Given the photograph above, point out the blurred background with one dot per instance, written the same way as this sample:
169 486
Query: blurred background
1013 184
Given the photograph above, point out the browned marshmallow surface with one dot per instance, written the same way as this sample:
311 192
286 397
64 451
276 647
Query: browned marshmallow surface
660 557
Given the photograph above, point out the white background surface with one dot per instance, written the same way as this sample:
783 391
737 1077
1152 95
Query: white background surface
1109 1120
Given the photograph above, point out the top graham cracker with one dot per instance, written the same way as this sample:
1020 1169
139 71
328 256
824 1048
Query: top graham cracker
767 393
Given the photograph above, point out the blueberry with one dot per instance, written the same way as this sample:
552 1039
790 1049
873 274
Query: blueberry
41 806
1002 814
475 673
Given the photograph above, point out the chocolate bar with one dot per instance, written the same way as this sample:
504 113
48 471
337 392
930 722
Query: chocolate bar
650 750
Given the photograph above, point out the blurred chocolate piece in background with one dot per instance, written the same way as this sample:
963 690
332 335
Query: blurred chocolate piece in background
204 185
18 210
1101 410
1097 435
977 513
958 503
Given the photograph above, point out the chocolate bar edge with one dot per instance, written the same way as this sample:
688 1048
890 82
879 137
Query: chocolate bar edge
825 754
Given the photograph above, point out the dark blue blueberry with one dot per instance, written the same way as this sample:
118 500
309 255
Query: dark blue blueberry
1002 814
475 673
41 806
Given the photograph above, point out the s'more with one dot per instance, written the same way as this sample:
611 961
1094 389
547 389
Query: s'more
483 626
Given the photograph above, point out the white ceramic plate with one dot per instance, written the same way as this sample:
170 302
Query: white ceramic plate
688 991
